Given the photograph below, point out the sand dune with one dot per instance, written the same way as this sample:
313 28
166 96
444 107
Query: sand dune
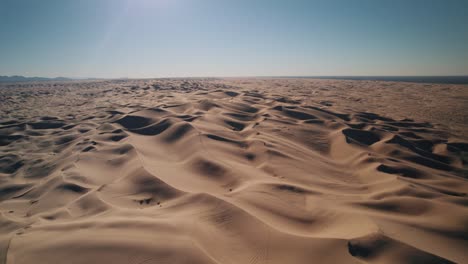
233 171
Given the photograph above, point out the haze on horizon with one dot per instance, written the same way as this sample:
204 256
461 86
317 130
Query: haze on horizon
166 38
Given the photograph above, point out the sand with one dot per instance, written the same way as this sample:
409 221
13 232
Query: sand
233 171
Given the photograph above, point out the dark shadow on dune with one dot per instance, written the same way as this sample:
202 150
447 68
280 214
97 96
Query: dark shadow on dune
178 133
10 164
46 125
153 130
231 93
291 188
227 140
6 140
366 247
72 188
6 192
372 246
457 147
209 168
133 122
405 172
236 126
360 136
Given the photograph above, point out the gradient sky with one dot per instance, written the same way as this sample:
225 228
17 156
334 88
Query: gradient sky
164 38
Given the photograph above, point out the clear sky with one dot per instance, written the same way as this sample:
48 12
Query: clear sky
163 38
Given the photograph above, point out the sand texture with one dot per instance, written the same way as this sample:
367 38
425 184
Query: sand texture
233 171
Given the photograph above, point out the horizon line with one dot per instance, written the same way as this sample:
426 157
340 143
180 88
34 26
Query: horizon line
233 76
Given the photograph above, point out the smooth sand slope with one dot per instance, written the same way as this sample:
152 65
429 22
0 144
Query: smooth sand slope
233 171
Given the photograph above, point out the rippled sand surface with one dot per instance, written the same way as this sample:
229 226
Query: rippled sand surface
233 171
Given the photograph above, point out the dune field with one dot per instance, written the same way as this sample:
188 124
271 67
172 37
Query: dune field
235 170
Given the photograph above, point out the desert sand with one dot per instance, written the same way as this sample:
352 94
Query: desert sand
233 171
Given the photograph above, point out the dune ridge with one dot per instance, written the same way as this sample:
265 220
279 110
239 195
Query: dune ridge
231 171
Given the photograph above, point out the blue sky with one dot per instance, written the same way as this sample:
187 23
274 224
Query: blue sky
164 38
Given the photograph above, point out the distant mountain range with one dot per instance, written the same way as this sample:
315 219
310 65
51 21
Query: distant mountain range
18 78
